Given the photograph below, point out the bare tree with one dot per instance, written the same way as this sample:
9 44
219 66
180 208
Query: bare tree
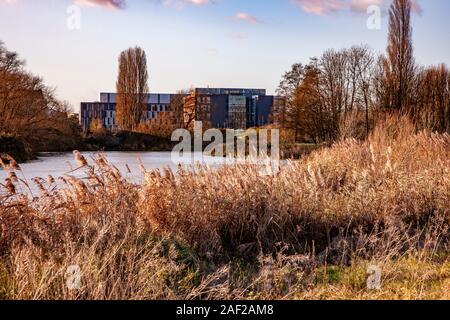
401 67
132 88
363 60
335 88
331 96
177 109
432 92
291 80
29 110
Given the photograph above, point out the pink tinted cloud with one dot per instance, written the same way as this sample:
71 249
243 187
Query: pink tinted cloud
324 7
321 7
183 3
361 6
199 2
121 4
243 16
110 4
318 7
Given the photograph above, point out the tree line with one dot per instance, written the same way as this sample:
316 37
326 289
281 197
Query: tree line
343 92
29 111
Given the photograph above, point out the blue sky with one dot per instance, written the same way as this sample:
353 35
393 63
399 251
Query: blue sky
221 43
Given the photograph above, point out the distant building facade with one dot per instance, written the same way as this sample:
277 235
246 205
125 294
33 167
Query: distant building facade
231 108
215 107
105 109
278 114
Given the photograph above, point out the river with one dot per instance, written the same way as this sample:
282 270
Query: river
60 164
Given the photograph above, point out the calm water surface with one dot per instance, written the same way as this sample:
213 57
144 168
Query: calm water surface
59 164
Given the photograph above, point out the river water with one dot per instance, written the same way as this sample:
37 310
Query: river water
60 164
128 163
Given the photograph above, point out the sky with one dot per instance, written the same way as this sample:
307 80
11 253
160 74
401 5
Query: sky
74 44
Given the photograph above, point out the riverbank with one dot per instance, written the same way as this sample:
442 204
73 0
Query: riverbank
311 231
15 148
21 151
127 141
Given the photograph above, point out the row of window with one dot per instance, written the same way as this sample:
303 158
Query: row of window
204 100
112 114
95 110
151 114
109 120
159 107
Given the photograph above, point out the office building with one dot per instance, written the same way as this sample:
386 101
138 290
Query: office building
105 109
230 108
215 107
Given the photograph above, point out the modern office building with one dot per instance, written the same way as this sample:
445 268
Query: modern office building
230 108
105 109
215 107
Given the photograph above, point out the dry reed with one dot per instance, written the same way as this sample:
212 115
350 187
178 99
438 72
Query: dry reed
306 232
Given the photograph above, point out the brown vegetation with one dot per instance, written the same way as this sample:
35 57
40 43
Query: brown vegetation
378 195
309 231
132 88
341 93
29 111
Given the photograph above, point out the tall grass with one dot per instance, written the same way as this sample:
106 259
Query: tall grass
394 179
234 233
